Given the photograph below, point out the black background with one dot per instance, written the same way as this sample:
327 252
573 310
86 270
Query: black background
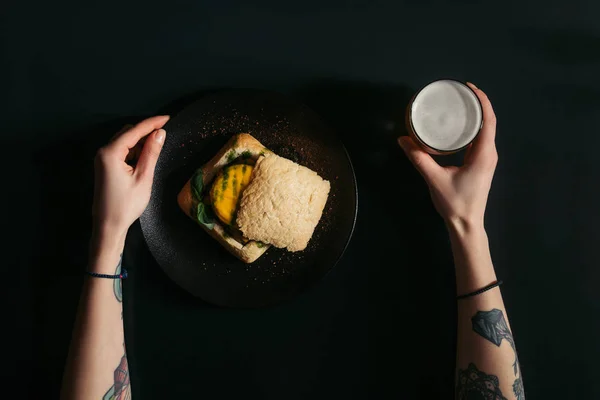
382 324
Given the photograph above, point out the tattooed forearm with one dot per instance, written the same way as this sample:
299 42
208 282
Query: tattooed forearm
473 384
121 390
118 285
492 326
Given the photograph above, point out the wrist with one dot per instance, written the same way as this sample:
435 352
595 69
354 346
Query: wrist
472 259
106 248
460 227
107 235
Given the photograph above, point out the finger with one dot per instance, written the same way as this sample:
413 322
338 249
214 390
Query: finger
130 138
147 162
420 159
484 146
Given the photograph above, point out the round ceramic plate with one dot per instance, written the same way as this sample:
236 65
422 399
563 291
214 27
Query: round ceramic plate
197 262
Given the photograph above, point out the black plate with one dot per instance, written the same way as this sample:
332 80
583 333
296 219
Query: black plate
197 262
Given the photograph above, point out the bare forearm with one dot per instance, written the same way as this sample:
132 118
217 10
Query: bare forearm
486 352
97 365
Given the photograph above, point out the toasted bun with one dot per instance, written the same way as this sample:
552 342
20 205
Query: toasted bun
283 203
238 145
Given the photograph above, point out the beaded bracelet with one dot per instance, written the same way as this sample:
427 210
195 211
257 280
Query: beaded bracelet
122 275
482 290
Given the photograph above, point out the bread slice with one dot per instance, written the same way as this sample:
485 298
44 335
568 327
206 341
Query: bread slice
242 145
283 203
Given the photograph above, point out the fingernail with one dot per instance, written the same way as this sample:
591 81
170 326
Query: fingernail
160 136
472 84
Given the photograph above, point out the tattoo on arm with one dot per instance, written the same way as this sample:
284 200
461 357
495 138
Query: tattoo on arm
121 390
118 284
492 326
473 384
518 389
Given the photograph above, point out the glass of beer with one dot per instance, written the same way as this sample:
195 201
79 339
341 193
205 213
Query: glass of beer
444 117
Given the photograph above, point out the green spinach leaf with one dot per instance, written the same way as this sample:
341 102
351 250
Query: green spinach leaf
197 184
201 210
203 217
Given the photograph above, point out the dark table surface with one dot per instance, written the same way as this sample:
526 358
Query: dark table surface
382 324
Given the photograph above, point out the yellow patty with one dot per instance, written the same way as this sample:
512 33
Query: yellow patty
226 190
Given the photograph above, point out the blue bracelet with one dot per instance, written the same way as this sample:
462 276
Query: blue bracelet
122 275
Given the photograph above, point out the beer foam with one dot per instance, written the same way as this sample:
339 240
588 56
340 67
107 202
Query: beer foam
446 115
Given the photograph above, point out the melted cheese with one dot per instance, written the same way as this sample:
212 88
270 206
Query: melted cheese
226 191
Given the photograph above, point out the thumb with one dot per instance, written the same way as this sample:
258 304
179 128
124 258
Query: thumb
147 162
422 161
